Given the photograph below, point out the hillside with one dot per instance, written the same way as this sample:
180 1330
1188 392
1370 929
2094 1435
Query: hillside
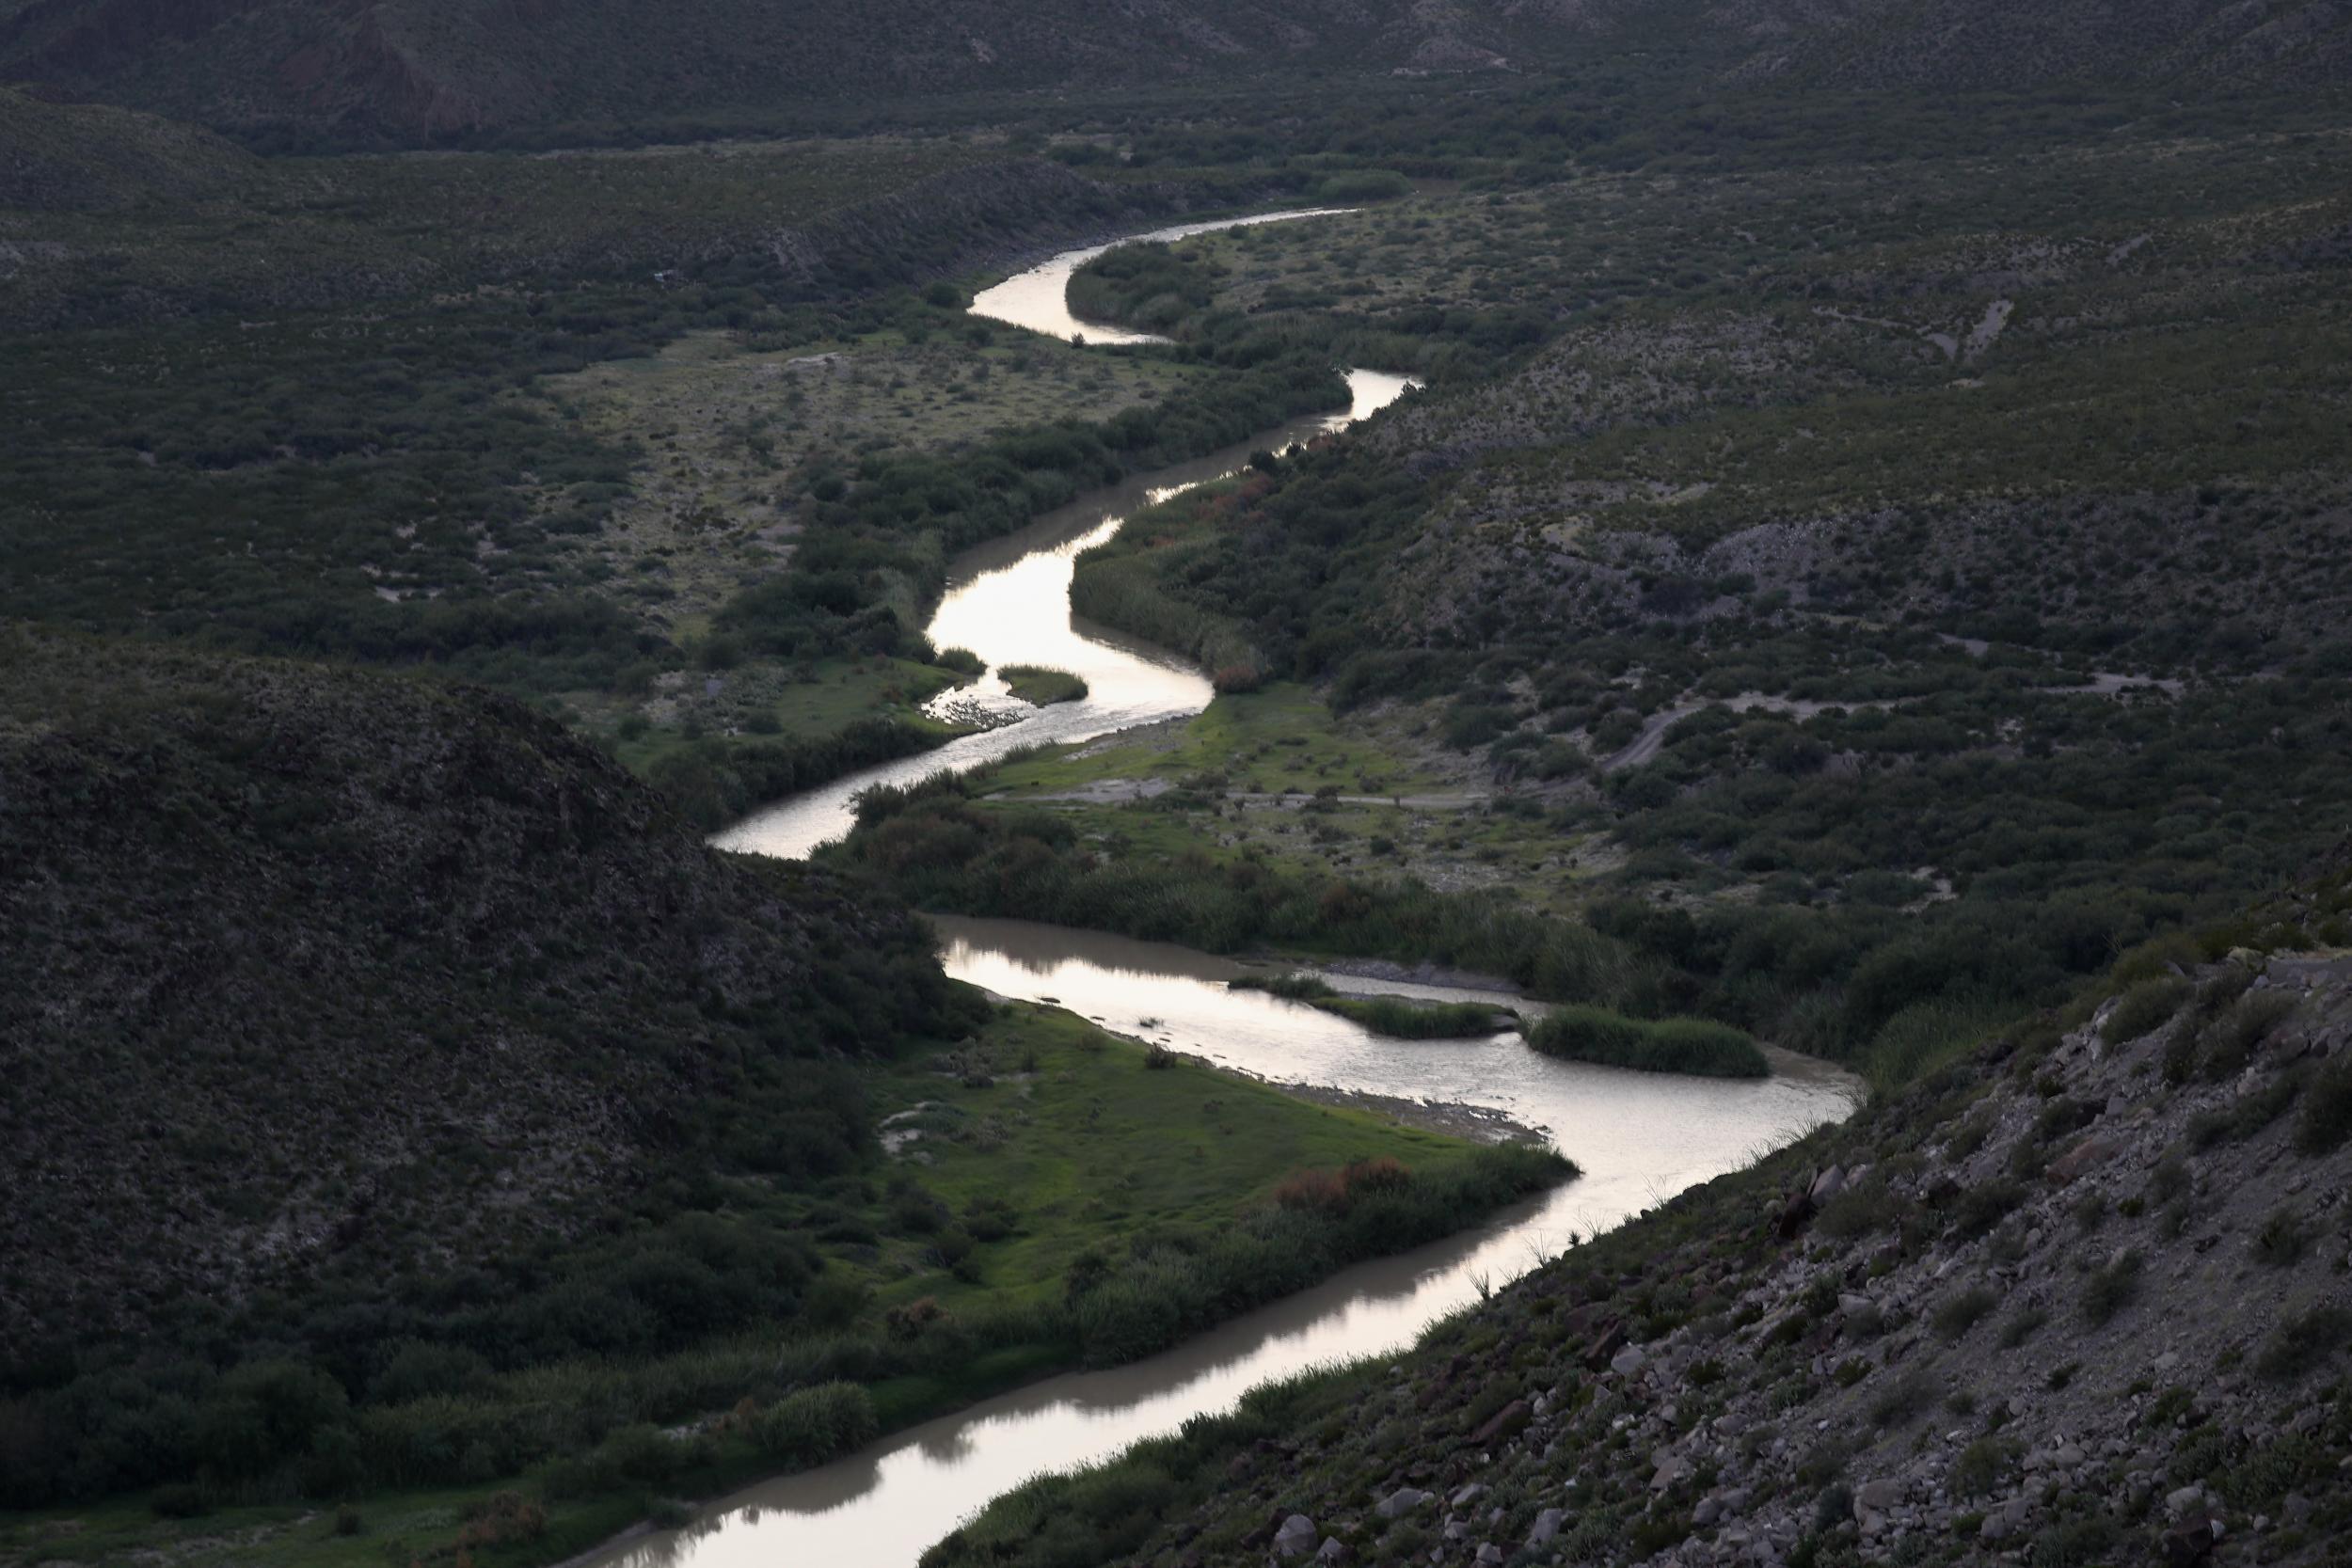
409 70
2076 1297
317 980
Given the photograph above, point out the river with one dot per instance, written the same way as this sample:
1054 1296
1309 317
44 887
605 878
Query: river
1638 1137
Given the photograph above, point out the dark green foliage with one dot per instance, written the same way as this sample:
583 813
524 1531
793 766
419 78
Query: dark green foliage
1690 1045
1418 1021
2305 1342
941 852
2326 1120
1296 988
600 979
1963 1310
817 1424
2111 1289
2143 1008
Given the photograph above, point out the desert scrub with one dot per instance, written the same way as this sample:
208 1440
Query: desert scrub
2229 1042
1040 687
2111 1289
2143 1008
1963 1310
2305 1341
2326 1121
1696 1046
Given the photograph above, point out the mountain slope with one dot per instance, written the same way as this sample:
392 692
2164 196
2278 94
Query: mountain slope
411 70
2079 1298
312 977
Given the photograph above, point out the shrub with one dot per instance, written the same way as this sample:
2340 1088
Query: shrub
2230 1041
1983 1464
2280 1240
2304 1341
2143 1008
815 1424
180 1500
1963 1310
2327 1118
503 1519
2111 1289
1587 1034
2021 1326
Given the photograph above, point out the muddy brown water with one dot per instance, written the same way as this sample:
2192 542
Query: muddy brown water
1638 1138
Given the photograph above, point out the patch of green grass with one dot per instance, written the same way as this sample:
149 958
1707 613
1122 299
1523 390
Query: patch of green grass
1096 1148
1279 740
1042 688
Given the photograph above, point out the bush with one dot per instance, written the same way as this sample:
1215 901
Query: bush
2230 1041
816 1425
2280 1240
1691 1045
2143 1008
2327 1118
1982 1465
1963 1310
180 1500
2111 1289
2304 1342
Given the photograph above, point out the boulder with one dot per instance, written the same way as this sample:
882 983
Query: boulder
1546 1528
1628 1361
1876 1497
1401 1502
1297 1537
2190 1541
1334 1551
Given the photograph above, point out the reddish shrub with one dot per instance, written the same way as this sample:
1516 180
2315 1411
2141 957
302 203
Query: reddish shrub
1324 1190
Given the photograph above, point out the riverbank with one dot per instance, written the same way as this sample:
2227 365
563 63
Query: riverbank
1047 1202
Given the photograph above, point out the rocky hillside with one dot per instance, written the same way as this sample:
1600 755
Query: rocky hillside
310 976
2079 1298
421 70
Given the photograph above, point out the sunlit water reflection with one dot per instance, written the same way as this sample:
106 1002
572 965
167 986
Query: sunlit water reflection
1638 1138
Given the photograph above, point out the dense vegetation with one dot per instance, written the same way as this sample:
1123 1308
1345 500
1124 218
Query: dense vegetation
1882 1341
402 1097
1398 1016
1888 697
1690 1045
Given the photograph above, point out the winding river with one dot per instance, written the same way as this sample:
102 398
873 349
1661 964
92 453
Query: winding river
1638 1137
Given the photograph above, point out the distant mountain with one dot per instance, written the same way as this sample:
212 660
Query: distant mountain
424 68
417 69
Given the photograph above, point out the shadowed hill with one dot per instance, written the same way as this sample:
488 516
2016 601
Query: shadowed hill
421 70
313 976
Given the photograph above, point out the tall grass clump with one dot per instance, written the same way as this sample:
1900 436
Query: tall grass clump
1689 1045
2143 1008
1408 1021
1928 1035
817 1424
